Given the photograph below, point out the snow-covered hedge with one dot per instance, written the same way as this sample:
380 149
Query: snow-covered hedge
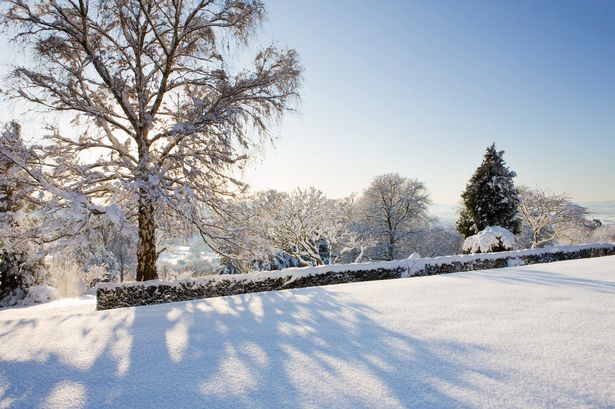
155 292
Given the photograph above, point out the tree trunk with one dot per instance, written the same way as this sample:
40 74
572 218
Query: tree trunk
391 247
121 266
535 237
146 253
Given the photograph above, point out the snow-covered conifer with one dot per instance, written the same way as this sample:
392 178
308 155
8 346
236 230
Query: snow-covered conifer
21 260
490 197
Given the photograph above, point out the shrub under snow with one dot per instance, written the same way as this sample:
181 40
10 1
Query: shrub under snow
40 294
490 240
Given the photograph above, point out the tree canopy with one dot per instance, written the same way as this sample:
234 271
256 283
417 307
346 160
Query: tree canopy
167 118
490 197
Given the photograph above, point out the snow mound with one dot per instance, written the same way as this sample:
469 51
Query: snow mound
40 294
491 239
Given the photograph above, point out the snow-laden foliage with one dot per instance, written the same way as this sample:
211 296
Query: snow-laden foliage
110 241
603 234
490 240
21 257
311 227
102 267
437 241
165 120
553 218
39 230
275 230
490 197
390 213
40 294
103 250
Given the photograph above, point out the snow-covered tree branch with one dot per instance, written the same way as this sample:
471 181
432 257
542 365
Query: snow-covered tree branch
168 119
552 218
391 211
301 228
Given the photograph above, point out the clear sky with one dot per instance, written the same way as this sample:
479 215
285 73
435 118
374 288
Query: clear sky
423 87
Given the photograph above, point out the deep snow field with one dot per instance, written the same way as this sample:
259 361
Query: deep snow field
526 337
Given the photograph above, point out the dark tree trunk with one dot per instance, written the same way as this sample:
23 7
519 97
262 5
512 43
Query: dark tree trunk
391 247
146 253
121 266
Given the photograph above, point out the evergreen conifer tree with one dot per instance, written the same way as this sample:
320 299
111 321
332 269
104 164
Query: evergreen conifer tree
21 261
490 198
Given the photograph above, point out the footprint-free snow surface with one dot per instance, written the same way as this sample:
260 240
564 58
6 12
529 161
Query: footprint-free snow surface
538 336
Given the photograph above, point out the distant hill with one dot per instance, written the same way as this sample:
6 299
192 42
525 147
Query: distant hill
603 211
446 213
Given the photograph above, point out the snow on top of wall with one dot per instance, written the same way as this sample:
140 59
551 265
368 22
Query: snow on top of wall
411 265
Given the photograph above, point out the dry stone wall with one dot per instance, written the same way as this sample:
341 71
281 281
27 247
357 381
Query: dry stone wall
110 296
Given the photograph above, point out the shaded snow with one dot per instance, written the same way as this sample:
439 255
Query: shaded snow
534 336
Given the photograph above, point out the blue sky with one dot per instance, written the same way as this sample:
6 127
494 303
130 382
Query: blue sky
423 87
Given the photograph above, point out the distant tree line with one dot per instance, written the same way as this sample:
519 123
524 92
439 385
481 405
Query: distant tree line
272 230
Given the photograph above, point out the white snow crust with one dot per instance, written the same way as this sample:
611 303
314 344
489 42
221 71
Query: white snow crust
489 238
537 336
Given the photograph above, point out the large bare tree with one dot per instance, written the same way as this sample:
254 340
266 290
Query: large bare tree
392 210
167 117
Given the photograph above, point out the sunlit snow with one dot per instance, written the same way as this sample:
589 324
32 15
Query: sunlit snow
533 336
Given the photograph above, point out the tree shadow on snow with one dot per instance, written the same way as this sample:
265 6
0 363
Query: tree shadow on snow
544 278
311 347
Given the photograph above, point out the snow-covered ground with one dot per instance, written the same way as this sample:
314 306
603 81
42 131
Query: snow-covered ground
533 336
